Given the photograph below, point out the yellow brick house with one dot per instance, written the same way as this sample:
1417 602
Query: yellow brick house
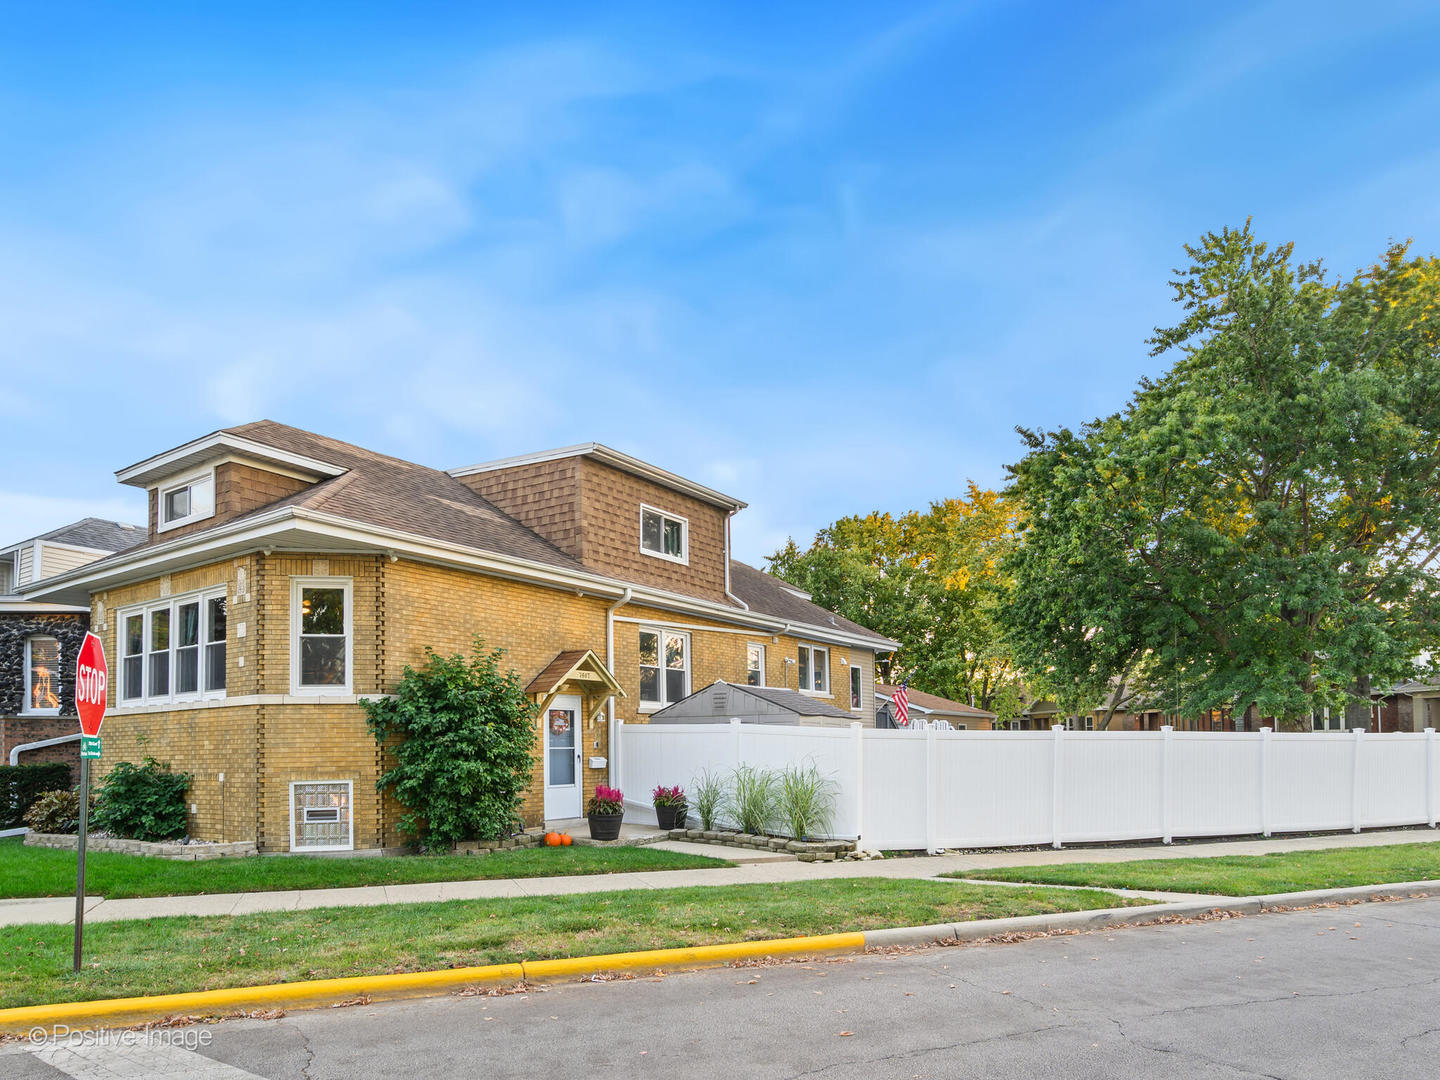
286 576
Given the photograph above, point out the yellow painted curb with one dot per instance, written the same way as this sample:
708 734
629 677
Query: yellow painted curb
81 1015
693 956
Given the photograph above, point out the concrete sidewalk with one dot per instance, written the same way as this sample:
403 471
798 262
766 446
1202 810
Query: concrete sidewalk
62 909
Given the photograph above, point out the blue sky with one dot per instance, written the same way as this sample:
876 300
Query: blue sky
822 256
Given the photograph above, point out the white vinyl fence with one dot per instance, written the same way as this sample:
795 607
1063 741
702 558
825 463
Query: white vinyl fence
960 789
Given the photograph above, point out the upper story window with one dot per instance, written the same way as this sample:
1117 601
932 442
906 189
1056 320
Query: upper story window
664 535
42 675
188 501
7 573
173 650
814 669
664 666
755 664
321 624
857 678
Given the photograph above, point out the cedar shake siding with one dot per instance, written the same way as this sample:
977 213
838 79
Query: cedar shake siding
544 496
610 503
239 489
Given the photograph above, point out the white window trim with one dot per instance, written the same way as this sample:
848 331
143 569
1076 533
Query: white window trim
350 786
348 585
684 558
755 645
829 691
664 702
172 604
161 490
25 709
861 706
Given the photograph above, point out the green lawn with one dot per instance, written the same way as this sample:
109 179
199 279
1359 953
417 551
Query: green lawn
1241 875
158 956
34 871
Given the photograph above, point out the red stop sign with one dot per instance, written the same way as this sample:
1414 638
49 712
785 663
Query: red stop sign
92 685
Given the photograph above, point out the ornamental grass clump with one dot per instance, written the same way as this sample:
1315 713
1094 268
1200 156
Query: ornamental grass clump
754 795
806 801
710 798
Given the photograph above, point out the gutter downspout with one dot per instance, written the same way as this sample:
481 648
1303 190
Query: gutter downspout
728 593
613 770
16 751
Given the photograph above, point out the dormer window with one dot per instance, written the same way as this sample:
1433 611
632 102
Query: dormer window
189 501
664 535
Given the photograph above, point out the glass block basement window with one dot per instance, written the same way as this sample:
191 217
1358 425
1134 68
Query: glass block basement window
320 816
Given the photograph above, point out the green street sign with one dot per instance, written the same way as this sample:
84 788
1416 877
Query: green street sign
89 746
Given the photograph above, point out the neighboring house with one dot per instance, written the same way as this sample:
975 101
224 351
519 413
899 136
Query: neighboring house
1411 706
721 702
932 707
285 576
39 640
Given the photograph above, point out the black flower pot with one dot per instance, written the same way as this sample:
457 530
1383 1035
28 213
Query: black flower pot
605 826
671 817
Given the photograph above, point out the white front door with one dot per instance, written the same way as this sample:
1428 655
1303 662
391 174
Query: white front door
562 758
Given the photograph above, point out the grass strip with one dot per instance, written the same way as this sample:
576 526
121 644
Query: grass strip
172 955
37 872
1240 875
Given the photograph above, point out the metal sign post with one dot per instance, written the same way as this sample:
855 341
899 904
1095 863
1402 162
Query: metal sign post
91 696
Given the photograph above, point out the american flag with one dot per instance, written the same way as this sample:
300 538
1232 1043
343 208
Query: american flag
902 705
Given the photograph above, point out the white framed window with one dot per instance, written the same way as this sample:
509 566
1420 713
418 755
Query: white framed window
7 573
755 664
192 499
664 535
321 635
42 675
664 666
320 815
173 649
814 669
857 683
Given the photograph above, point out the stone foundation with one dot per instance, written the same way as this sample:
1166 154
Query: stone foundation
183 852
804 850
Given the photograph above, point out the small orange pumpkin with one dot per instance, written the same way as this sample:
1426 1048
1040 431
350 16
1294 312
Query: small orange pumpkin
552 839
566 839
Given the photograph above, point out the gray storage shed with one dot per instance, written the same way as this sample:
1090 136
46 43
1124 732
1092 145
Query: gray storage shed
721 702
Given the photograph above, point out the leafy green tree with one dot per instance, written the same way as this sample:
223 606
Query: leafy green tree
933 581
1259 527
462 736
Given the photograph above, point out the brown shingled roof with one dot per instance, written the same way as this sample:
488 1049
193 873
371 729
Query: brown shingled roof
935 703
392 493
770 596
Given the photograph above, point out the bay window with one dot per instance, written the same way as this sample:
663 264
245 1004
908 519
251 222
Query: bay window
172 650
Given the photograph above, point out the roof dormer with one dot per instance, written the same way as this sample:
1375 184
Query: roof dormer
217 477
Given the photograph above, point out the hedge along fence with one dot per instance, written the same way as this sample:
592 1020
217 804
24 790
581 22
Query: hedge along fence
21 785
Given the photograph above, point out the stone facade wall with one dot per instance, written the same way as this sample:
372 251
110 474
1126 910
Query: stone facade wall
610 503
544 496
15 630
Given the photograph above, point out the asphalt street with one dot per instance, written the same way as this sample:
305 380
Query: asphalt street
1336 992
